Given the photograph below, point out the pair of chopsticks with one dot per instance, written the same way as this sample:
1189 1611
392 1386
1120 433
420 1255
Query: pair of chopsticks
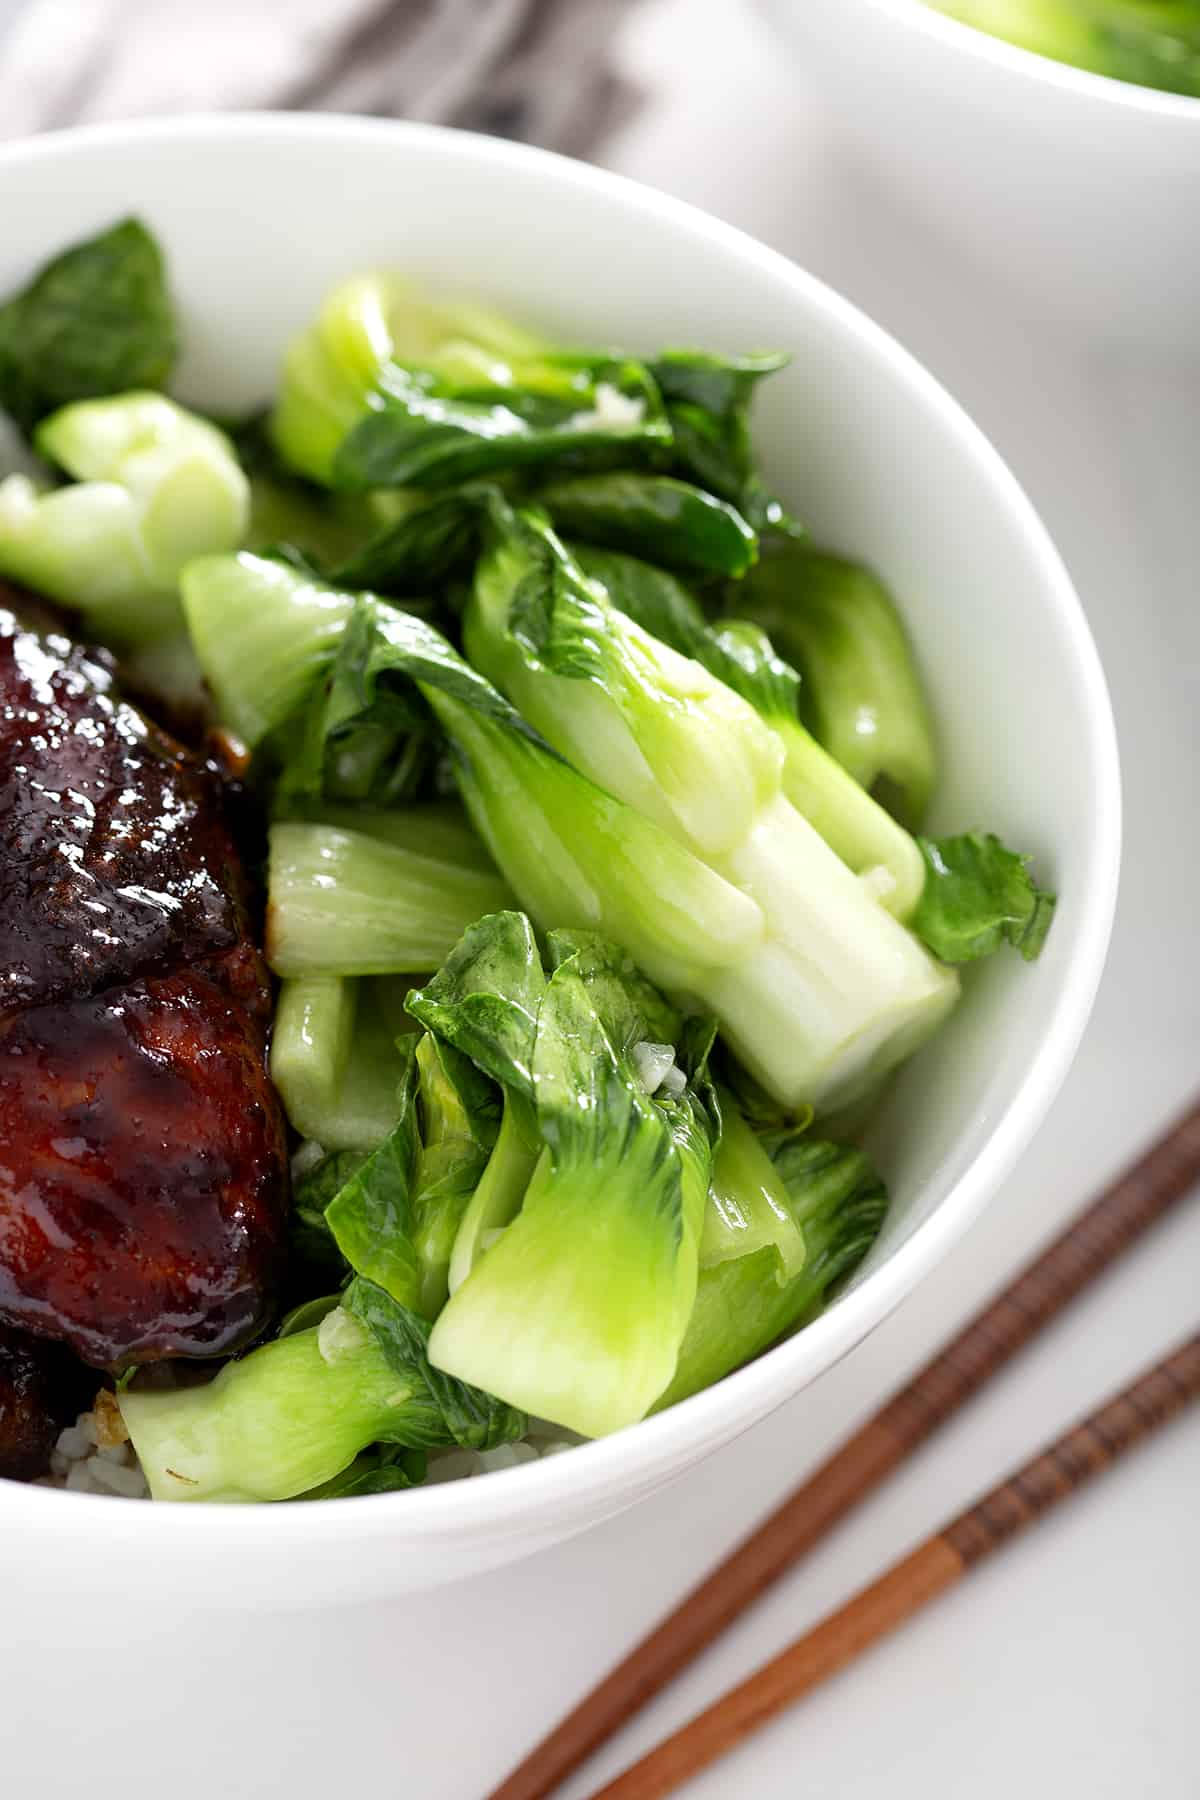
1090 1246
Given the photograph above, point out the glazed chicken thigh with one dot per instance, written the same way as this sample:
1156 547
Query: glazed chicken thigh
143 1169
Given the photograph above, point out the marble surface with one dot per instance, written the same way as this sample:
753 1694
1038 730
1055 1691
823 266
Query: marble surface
1067 1666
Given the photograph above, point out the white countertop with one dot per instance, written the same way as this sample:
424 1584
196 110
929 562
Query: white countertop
1069 1665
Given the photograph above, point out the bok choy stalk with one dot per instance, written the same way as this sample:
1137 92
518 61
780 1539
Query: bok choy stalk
393 1216
861 695
456 1163
578 1309
963 896
483 1005
335 1059
264 635
739 654
351 903
746 1303
458 1130
748 1204
296 1412
576 855
154 486
269 616
834 991
396 1218
389 388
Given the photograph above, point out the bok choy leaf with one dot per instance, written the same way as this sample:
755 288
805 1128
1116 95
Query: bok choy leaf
96 319
745 1304
390 388
600 1264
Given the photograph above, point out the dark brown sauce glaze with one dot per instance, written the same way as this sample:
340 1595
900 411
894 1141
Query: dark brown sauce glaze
41 1390
143 1165
115 857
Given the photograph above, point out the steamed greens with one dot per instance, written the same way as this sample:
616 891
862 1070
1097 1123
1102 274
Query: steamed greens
151 487
390 388
297 1412
1153 43
95 320
598 878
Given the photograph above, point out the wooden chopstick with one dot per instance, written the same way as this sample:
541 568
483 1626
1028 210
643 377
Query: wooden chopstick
1061 1470
1092 1244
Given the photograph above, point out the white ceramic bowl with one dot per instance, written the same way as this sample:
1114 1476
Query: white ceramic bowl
1080 191
260 215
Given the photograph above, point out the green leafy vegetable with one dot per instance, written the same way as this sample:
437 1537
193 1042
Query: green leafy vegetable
393 1216
747 1201
627 709
500 1190
467 1416
739 654
313 1187
421 551
155 486
708 405
382 1471
483 1004
979 895
336 1062
389 388
861 694
345 903
97 319
297 1412
459 1126
371 1218
1154 43
654 516
423 435
265 635
600 1264
745 1304
307 1315
439 830
825 990
485 998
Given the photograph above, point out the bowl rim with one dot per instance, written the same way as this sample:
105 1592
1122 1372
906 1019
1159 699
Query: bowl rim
660 1445
1031 65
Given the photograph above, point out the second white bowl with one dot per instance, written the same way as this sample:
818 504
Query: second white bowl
1076 190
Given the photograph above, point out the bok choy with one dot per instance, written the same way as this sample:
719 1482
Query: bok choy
591 798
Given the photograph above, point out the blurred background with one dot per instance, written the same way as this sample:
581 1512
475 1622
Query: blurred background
1075 1660
536 70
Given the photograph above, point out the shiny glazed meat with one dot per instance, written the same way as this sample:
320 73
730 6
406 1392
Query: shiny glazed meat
143 1170
141 1165
114 857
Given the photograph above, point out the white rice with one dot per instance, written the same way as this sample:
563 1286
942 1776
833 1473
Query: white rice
94 1455
461 1465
